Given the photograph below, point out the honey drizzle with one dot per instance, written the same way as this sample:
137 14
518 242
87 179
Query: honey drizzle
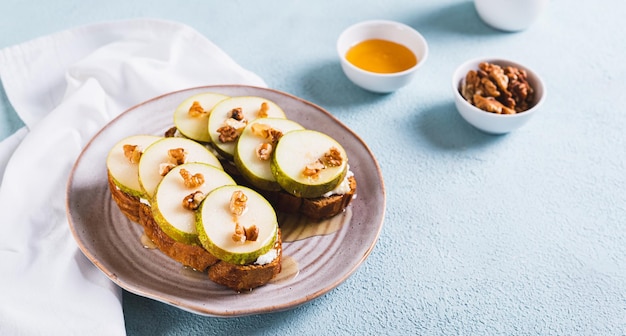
147 242
289 270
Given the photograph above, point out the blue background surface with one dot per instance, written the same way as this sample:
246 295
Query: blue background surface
515 234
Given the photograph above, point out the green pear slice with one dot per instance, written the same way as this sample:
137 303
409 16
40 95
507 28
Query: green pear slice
168 211
156 155
124 172
251 110
254 167
298 150
193 123
216 225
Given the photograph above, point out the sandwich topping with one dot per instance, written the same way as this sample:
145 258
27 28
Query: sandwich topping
132 153
238 206
193 200
196 110
332 158
175 157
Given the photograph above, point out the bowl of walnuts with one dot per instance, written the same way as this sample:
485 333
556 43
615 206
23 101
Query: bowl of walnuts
497 96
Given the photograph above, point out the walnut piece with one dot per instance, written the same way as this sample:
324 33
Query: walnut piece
490 104
263 110
227 134
313 169
165 168
171 132
240 234
267 132
264 151
177 156
196 110
238 203
237 114
132 153
252 233
496 89
331 158
243 234
191 181
193 200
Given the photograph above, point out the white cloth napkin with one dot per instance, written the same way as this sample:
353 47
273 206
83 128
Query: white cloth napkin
65 87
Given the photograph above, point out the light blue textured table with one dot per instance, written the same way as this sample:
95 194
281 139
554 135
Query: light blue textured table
517 234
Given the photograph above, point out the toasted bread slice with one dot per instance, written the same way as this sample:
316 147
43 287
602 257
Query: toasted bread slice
314 208
246 277
193 256
128 204
238 277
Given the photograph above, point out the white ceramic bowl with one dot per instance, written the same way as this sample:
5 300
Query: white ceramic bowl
385 30
491 122
510 15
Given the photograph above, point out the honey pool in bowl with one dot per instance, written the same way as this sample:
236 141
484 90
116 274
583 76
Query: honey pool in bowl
381 56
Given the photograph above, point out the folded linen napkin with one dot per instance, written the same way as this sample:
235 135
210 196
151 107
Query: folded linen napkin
65 87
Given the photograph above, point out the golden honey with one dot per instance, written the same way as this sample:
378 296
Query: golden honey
381 56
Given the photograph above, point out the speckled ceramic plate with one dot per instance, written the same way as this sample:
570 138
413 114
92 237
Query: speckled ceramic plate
113 243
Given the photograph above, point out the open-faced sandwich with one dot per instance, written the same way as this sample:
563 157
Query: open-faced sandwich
207 193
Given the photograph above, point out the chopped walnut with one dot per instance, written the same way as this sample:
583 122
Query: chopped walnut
332 158
243 234
252 233
237 206
313 169
191 181
240 234
237 114
193 200
496 75
231 129
196 110
264 151
227 134
171 132
496 89
238 203
165 168
177 155
490 104
490 89
132 153
266 132
263 110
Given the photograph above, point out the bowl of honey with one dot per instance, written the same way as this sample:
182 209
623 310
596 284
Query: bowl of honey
381 56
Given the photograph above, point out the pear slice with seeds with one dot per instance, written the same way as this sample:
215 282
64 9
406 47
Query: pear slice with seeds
216 224
222 117
156 155
299 163
122 170
254 166
191 117
168 210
